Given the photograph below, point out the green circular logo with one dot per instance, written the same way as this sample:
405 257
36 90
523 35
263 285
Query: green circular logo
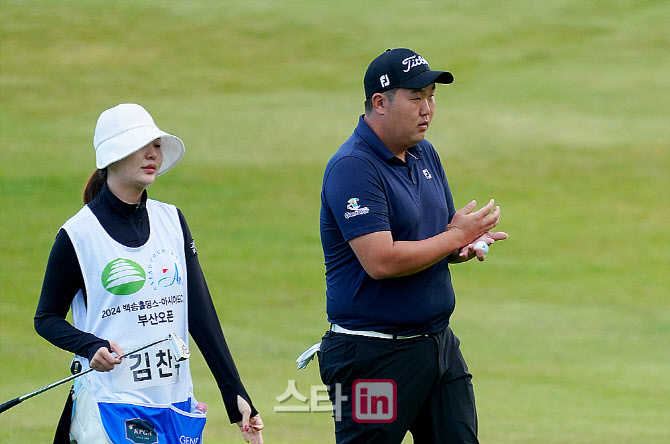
123 277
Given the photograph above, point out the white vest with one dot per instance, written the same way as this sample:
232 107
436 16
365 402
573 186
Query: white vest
134 296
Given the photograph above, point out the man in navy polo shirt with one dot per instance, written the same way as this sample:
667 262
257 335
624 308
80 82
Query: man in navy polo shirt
389 229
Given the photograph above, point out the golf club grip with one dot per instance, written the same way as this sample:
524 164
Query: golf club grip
9 404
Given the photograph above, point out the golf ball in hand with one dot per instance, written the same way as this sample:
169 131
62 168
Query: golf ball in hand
481 245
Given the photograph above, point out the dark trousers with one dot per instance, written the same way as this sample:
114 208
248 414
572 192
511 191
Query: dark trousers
434 399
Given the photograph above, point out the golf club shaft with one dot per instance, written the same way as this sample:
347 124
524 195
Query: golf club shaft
9 404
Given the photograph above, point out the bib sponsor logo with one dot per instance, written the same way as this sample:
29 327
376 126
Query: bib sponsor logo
163 269
140 431
123 277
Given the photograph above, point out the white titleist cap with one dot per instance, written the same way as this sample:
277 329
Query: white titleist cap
127 128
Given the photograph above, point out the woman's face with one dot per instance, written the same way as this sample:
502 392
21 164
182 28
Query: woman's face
139 170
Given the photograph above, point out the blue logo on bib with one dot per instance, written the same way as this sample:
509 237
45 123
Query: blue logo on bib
172 424
141 431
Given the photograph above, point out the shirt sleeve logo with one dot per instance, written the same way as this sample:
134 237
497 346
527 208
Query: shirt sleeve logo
356 209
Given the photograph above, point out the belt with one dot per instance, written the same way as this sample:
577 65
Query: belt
371 334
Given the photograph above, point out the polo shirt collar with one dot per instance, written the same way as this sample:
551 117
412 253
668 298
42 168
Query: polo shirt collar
366 133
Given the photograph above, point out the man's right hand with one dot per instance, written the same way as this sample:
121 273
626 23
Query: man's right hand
471 225
383 257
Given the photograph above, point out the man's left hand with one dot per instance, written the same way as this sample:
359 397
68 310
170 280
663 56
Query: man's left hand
468 252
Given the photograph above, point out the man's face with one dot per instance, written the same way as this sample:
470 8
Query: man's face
409 114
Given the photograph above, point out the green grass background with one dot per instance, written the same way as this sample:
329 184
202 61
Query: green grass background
559 111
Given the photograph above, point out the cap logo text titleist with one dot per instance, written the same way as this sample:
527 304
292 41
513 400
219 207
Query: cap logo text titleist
413 61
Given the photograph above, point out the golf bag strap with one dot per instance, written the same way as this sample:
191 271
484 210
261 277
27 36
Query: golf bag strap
63 429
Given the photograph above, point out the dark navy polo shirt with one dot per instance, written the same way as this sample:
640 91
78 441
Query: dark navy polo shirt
367 189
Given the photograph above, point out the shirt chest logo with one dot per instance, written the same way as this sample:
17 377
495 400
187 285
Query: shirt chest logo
427 173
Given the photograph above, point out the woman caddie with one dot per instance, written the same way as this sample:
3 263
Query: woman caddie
127 267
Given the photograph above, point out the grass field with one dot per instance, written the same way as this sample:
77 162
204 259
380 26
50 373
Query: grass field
559 111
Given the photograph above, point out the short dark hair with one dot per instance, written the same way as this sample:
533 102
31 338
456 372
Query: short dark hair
390 94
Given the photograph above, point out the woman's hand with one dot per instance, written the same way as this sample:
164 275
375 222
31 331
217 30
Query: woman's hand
103 360
250 427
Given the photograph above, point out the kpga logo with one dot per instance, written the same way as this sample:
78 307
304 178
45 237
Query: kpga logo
374 400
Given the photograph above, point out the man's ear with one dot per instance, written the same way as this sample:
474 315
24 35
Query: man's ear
379 103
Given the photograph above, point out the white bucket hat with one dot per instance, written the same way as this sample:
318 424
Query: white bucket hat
127 128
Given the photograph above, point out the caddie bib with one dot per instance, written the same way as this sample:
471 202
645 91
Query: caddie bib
135 296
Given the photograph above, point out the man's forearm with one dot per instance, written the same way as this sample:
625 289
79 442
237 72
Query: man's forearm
383 258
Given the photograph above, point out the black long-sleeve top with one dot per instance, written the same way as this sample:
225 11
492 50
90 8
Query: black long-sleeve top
128 224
